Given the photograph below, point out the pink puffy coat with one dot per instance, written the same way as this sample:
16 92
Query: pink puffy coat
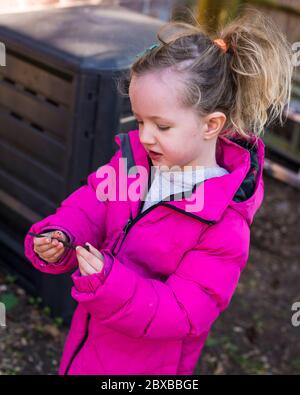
169 272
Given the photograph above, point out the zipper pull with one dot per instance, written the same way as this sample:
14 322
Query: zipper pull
127 225
119 239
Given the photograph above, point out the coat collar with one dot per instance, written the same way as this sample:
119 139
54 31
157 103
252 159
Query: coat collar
209 199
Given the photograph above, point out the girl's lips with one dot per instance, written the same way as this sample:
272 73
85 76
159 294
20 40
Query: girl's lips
154 155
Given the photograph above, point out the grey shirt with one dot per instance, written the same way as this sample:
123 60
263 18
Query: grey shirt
166 183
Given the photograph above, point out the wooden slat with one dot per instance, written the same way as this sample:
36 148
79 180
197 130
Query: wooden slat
19 207
296 84
30 141
37 79
282 173
281 147
49 117
25 194
291 9
30 172
295 137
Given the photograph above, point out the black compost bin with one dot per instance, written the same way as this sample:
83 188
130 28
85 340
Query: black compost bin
59 113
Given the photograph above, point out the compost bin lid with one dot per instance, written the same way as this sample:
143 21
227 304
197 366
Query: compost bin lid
86 37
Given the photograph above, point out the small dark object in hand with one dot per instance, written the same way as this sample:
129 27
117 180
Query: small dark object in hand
65 243
86 247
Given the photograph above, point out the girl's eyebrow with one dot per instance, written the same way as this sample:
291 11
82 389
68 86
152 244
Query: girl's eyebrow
155 117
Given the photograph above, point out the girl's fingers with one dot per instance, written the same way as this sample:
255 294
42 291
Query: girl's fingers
82 271
84 267
42 244
90 259
41 241
95 252
44 241
47 246
41 248
51 252
48 249
55 258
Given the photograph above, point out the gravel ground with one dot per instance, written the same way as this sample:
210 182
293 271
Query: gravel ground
253 336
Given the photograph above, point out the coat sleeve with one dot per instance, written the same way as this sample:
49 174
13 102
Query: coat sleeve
81 216
186 304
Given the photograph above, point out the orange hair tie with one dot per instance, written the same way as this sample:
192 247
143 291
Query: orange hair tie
221 43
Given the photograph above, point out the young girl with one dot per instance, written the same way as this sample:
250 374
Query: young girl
160 270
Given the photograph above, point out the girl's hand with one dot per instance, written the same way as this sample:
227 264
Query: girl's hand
47 249
89 262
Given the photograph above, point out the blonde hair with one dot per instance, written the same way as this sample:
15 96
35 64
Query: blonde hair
250 82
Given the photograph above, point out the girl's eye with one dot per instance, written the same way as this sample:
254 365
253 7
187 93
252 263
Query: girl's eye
159 127
163 127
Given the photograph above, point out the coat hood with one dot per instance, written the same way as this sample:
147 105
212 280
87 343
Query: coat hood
242 189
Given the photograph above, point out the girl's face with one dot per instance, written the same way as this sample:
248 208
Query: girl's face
176 133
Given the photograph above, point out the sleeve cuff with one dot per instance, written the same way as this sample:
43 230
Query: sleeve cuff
57 267
90 283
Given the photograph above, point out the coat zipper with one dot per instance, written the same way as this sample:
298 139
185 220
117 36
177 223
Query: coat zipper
79 347
124 230
132 221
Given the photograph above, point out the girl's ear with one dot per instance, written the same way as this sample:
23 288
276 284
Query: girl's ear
213 125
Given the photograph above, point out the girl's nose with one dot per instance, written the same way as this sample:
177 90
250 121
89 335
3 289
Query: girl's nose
147 137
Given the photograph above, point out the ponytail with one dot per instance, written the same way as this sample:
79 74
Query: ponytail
262 70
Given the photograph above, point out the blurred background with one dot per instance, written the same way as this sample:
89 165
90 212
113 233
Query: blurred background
59 113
